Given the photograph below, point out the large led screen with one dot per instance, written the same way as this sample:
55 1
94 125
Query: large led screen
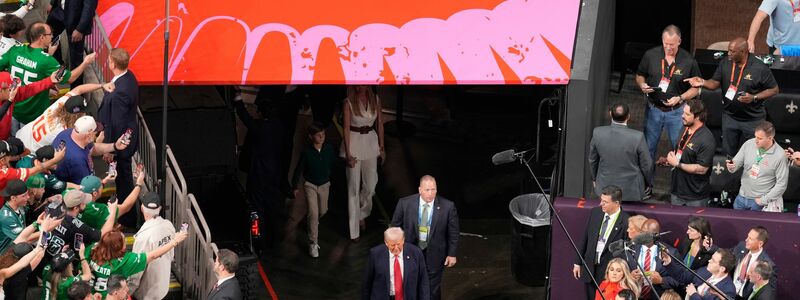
347 41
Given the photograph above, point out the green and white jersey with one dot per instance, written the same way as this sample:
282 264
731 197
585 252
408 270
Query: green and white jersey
30 65
95 215
11 224
127 265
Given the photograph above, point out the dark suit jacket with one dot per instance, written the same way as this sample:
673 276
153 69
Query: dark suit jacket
117 112
740 252
228 290
765 293
618 155
77 15
683 275
588 243
633 262
443 234
377 278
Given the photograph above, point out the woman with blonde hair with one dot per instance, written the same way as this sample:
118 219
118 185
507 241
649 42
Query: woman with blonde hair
618 278
361 147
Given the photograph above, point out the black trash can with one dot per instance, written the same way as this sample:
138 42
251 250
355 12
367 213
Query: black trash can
530 238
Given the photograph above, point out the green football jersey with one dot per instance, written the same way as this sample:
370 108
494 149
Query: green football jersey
63 285
11 224
95 215
30 65
127 265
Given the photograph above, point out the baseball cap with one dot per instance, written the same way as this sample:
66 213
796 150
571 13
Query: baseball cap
17 146
151 200
62 260
90 184
45 153
35 182
15 187
21 249
75 197
5 149
75 104
86 124
55 210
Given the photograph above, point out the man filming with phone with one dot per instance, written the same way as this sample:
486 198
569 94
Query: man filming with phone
766 171
660 76
156 231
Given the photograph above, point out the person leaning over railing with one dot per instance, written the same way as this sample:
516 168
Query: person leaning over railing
109 257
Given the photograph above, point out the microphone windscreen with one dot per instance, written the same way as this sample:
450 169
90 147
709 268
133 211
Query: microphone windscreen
644 238
503 157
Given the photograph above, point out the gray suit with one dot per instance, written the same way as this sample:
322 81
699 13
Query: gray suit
618 155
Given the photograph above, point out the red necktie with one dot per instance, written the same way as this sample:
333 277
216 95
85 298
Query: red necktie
398 280
645 287
743 268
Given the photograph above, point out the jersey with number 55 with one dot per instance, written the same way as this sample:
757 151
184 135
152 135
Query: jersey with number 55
31 65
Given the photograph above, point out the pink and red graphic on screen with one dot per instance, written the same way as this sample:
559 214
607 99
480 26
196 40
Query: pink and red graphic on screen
347 42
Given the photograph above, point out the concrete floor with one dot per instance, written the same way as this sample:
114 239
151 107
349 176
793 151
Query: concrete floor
459 155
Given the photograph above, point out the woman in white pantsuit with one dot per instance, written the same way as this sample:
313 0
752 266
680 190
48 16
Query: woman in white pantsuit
362 145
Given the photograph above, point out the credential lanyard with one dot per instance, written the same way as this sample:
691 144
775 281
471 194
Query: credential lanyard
688 139
741 73
671 70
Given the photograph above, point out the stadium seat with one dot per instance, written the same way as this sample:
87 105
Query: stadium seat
712 99
783 111
722 180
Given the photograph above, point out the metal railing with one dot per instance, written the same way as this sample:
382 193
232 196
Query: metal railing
99 43
193 265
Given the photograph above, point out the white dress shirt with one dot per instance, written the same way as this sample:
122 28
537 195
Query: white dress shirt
753 259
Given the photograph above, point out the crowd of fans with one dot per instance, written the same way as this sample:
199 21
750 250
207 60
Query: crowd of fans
57 234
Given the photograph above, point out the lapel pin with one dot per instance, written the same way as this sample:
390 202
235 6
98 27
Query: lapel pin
408 257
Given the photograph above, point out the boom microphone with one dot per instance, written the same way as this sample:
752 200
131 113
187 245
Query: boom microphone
504 157
616 247
507 156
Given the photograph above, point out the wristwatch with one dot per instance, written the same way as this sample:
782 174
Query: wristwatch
755 97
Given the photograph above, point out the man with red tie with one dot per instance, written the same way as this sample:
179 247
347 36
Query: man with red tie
397 274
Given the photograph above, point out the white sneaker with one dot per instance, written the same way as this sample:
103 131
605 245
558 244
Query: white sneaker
313 250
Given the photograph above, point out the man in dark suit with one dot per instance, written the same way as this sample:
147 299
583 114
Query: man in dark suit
717 273
74 16
395 271
430 222
760 277
748 253
227 287
118 113
646 257
618 156
607 223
